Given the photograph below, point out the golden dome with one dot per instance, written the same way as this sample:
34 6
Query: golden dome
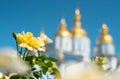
77 31
62 31
105 37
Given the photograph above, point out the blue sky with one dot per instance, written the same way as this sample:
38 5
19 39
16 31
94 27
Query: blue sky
37 15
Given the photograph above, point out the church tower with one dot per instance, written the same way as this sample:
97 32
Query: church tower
80 41
105 44
63 41
105 48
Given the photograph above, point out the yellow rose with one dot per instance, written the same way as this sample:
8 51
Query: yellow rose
20 38
28 41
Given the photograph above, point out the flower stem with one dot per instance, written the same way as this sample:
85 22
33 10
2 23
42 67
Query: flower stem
25 53
20 51
39 53
17 47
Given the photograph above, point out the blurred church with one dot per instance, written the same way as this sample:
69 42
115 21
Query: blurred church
74 46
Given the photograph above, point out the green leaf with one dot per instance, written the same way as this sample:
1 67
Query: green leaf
37 74
29 58
54 71
43 57
49 64
41 64
33 68
52 59
45 70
